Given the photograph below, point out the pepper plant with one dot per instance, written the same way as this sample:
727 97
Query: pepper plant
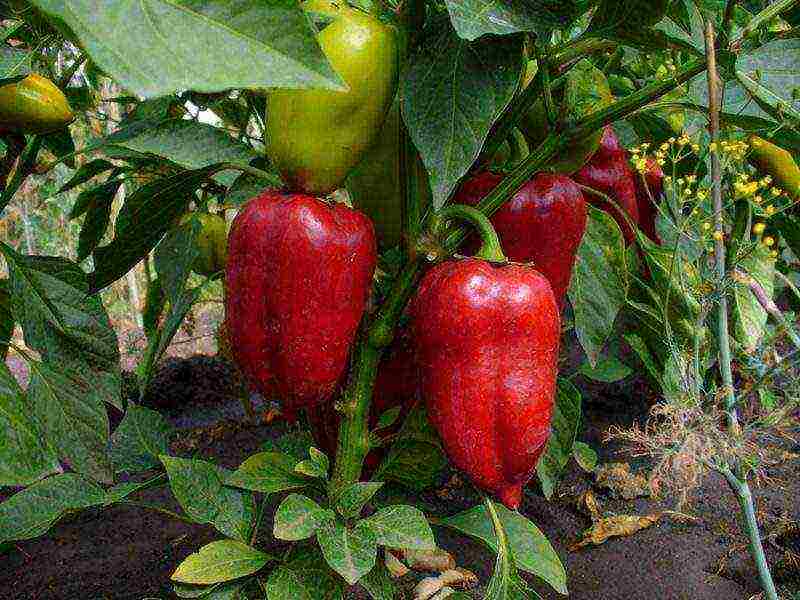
300 105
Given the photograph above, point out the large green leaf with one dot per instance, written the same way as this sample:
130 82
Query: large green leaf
304 576
599 283
142 436
31 512
566 419
14 63
772 75
401 527
147 214
298 517
474 18
267 472
532 551
190 144
223 560
70 328
452 92
202 45
25 456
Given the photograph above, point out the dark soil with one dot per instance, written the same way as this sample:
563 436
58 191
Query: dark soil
129 552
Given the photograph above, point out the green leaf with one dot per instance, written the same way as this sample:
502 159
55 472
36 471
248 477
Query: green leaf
74 421
639 346
585 456
95 224
121 491
25 457
304 576
267 472
197 487
98 195
620 16
296 444
69 328
187 41
474 18
449 117
223 560
416 458
14 63
299 517
317 466
61 145
231 590
378 583
349 552
352 499
599 284
236 516
6 319
175 255
31 512
142 436
401 527
146 216
505 583
190 144
772 75
388 418
91 169
246 187
608 370
750 318
532 551
566 419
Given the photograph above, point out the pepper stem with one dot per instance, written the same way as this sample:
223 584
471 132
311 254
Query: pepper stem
491 248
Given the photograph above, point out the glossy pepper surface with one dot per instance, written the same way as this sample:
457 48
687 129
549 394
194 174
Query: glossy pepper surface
315 137
543 223
487 337
609 172
297 280
33 105
770 159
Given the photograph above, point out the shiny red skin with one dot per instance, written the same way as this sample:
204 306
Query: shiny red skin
609 171
298 276
542 223
396 384
654 176
487 339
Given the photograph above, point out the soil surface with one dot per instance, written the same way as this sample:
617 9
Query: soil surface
128 552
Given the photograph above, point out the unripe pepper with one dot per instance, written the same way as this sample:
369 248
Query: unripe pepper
487 336
315 137
297 280
543 223
212 241
649 188
33 105
609 172
776 162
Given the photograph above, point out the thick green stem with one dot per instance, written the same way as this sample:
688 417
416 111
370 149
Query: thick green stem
769 13
739 485
491 248
543 60
723 335
742 491
353 442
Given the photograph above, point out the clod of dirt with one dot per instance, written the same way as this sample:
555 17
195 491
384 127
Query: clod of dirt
618 478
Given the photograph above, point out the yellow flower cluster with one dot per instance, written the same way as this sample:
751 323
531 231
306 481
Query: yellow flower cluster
733 149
